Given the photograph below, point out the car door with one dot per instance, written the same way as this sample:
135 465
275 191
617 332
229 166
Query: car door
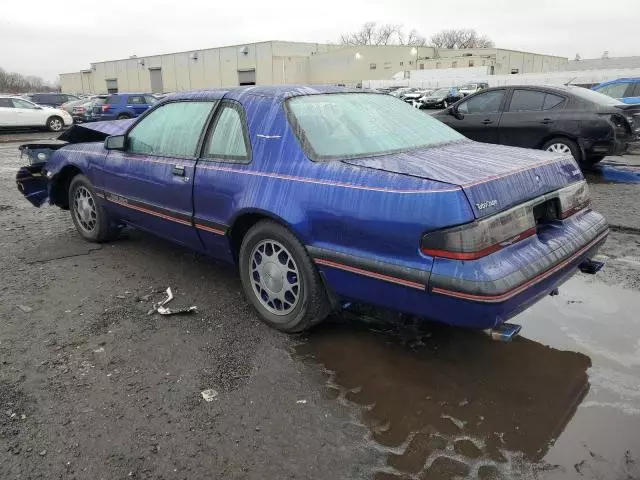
529 117
149 183
217 184
137 104
480 116
28 114
632 94
7 113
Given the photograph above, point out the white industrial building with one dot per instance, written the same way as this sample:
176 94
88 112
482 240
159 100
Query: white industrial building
278 62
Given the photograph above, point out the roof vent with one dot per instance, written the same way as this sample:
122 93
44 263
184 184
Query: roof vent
244 50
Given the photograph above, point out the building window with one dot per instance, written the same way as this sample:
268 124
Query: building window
454 64
422 66
387 65
372 66
515 71
402 64
471 63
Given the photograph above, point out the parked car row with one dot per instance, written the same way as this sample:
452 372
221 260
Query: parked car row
560 119
435 97
45 109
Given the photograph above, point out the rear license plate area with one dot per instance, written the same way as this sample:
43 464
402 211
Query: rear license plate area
547 212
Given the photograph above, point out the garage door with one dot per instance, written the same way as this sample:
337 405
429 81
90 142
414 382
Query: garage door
247 77
112 85
155 75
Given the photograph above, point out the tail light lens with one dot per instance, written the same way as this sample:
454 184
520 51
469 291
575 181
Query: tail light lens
573 199
483 237
105 108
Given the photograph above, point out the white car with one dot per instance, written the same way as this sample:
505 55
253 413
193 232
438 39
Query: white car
18 112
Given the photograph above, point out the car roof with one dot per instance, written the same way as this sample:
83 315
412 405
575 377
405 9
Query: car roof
276 92
620 80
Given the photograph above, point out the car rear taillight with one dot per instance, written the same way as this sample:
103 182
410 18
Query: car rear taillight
484 237
481 238
573 199
105 108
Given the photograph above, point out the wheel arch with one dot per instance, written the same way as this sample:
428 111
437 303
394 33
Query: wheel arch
565 136
60 185
242 222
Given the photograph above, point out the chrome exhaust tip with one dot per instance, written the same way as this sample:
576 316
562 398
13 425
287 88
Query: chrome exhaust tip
504 332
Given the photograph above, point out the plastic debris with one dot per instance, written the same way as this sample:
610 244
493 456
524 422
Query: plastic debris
162 310
209 395
301 402
25 309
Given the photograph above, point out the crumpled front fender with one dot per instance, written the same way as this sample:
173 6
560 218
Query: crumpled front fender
33 183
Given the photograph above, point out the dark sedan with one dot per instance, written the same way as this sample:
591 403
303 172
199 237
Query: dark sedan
560 119
440 98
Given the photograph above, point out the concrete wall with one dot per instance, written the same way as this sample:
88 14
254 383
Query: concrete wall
353 64
278 62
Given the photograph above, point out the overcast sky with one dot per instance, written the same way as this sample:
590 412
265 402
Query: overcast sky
42 37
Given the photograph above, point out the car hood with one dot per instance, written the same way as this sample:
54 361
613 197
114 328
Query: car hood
493 177
96 131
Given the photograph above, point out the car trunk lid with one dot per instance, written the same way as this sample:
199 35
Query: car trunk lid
493 177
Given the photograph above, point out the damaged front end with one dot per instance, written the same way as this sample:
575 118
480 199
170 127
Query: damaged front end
32 179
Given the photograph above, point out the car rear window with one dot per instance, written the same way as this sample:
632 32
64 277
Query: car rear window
112 100
595 97
352 125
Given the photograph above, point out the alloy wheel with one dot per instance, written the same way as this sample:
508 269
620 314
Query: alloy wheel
560 148
84 209
275 278
55 125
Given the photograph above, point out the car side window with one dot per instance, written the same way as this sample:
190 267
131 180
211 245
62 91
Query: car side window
615 90
172 130
6 103
150 100
487 102
17 103
228 139
526 101
552 101
636 90
136 100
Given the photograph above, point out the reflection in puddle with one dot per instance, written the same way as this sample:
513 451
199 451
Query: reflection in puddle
445 402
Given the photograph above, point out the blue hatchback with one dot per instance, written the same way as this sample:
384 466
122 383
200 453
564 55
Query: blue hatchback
120 106
626 90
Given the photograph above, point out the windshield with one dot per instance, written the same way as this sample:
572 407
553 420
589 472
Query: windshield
595 97
351 125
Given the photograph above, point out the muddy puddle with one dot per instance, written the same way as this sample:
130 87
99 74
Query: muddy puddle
613 173
561 401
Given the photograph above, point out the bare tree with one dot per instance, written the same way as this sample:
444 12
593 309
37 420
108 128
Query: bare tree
11 82
385 34
414 39
460 38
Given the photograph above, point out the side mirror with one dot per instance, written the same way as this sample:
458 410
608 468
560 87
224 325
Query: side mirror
115 142
453 111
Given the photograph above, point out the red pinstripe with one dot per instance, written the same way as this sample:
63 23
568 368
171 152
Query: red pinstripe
367 273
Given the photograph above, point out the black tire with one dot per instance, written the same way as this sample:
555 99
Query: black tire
570 144
312 305
97 226
591 161
123 116
55 124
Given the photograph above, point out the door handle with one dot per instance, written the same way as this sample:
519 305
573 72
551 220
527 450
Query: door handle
178 170
487 121
546 121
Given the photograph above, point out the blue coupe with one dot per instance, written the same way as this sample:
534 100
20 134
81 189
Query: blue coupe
322 195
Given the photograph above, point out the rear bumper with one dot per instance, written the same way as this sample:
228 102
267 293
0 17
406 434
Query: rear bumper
478 294
596 148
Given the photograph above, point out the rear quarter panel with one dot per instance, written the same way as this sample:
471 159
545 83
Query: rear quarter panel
329 205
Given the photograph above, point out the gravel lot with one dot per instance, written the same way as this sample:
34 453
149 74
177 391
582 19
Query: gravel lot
91 387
